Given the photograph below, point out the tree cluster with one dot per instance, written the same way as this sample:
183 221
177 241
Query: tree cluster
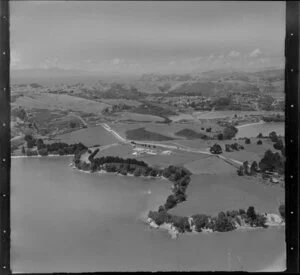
229 132
233 147
216 149
245 170
273 162
56 148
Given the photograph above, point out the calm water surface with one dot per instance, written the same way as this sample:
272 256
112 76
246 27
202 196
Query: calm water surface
64 220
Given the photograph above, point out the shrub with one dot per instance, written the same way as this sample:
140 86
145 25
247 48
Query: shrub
220 136
242 211
43 152
137 172
247 141
232 213
159 217
260 135
200 221
181 223
228 148
223 223
259 142
260 221
161 208
208 130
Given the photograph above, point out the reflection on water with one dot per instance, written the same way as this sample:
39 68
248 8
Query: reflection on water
63 220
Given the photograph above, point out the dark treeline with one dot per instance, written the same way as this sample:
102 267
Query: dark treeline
223 222
115 164
56 148
233 147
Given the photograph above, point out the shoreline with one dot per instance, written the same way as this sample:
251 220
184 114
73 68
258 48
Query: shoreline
39 156
250 124
174 233
113 173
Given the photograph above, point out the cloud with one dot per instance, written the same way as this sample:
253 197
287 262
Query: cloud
15 58
264 60
50 63
172 63
234 54
117 61
211 57
255 53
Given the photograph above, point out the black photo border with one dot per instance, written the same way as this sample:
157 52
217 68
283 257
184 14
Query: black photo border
292 136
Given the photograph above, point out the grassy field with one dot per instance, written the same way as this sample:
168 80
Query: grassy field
143 134
166 129
252 152
209 165
123 116
176 158
189 134
209 194
89 136
59 102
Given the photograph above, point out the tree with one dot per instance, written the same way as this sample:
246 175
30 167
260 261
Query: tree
240 171
246 167
260 135
272 162
247 141
242 211
23 150
251 213
73 124
278 145
228 148
259 142
260 221
43 152
200 221
170 203
31 143
223 223
230 132
216 149
220 136
137 172
28 137
273 136
254 168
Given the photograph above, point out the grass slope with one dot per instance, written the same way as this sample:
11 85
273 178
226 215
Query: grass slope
143 134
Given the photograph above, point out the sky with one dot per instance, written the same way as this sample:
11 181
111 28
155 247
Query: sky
145 36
